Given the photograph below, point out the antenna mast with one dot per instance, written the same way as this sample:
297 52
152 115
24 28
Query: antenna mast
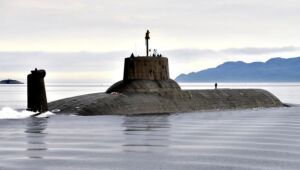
147 37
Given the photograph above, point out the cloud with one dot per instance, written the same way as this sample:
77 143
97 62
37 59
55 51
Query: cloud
196 30
93 25
79 61
251 50
188 60
108 66
74 66
191 54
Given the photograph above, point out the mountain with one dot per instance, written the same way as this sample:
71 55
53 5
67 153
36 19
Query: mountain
273 70
9 81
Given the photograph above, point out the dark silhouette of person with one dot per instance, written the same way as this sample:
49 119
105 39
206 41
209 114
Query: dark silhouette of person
216 85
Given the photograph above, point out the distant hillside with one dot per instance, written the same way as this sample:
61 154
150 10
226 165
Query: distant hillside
9 81
274 70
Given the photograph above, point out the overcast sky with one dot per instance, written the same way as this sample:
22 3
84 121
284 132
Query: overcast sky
88 39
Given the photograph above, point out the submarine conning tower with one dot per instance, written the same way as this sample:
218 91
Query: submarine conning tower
146 68
148 73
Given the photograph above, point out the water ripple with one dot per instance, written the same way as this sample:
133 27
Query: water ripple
251 139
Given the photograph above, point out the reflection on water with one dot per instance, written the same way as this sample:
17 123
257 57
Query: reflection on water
244 140
146 133
35 136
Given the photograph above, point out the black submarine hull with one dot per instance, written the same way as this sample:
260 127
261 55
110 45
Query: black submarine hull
129 103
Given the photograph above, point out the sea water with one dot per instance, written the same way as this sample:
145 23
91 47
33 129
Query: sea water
237 139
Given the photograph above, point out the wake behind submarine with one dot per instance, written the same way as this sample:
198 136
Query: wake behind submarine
146 88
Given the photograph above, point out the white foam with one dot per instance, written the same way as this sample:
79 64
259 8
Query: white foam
9 113
46 114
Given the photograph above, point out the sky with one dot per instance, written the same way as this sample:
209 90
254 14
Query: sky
87 40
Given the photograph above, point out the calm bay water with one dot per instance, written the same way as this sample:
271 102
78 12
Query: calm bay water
240 139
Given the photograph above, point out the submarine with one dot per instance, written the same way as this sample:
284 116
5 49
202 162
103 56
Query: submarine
146 88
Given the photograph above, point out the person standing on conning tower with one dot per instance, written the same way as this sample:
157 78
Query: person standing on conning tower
147 37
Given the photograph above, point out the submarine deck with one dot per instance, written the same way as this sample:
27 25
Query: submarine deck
165 102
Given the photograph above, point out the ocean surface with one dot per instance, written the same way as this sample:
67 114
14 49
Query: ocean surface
236 139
